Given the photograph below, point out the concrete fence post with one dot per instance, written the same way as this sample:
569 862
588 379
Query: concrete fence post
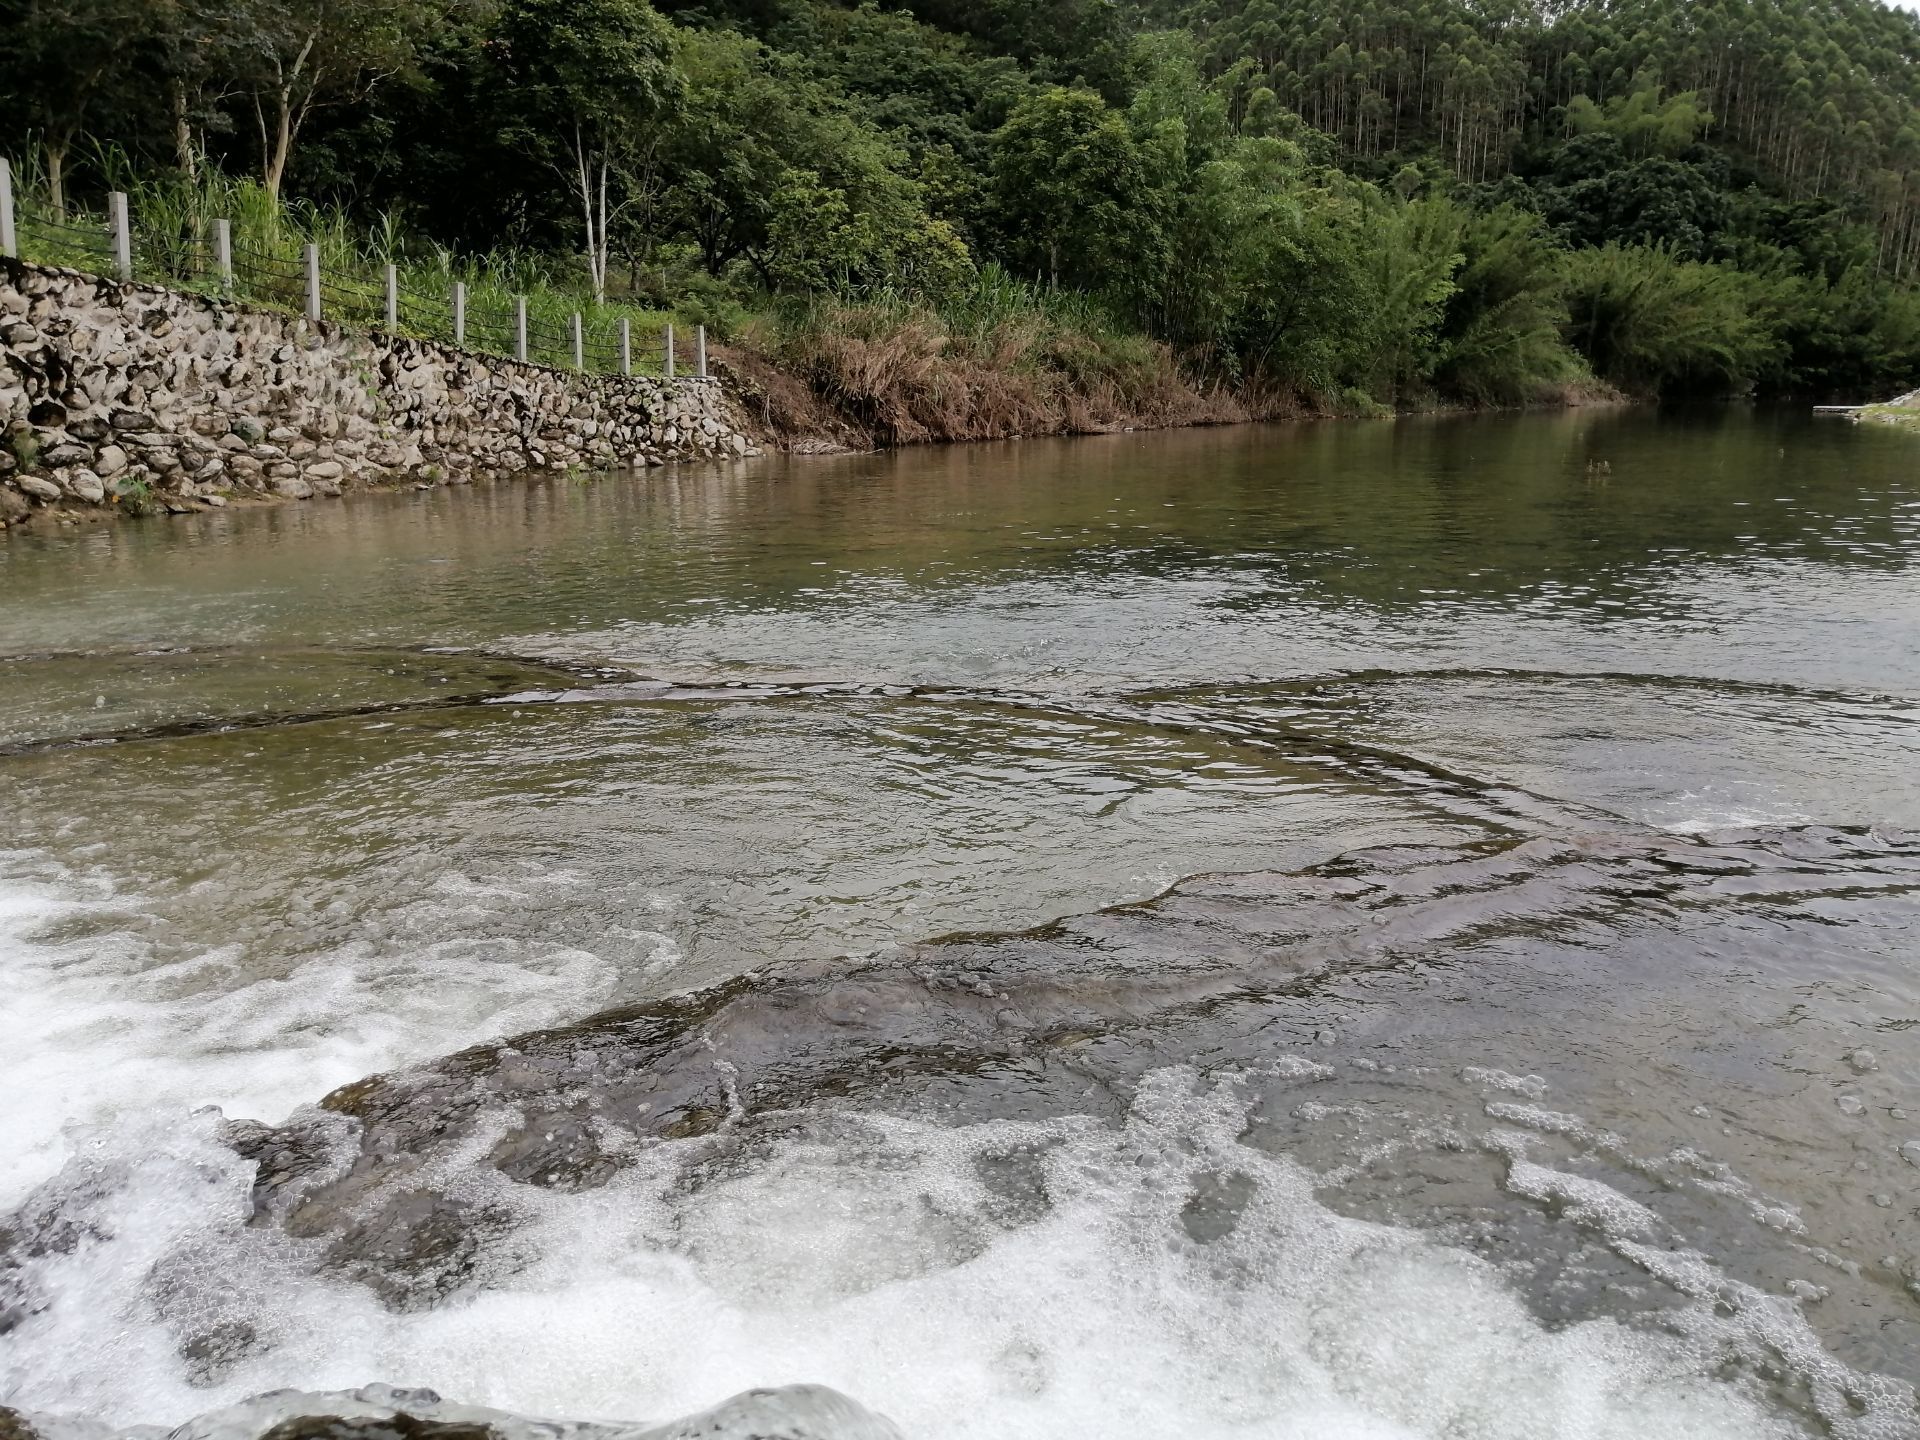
9 237
579 344
460 312
626 346
313 284
223 253
669 352
700 350
393 297
122 227
520 328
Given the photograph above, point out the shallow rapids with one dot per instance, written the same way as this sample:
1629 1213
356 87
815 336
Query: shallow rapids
1338 932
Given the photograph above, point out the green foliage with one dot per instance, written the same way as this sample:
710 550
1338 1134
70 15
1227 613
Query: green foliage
581 86
1501 337
1642 122
1652 323
1414 253
1596 193
136 497
1309 294
1851 336
25 445
1067 181
1365 204
774 169
60 63
712 303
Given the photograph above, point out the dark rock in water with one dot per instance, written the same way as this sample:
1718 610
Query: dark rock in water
13 1426
421 1247
436 1180
213 1353
383 1412
399 1427
1062 1019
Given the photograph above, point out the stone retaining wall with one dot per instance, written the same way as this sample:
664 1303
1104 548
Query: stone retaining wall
135 397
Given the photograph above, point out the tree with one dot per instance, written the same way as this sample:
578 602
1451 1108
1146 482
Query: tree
197 48
1649 322
770 168
1067 180
586 86
63 64
291 58
1500 334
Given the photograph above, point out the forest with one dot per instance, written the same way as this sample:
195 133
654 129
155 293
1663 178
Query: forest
1348 206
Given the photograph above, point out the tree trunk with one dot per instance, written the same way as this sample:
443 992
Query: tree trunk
183 151
288 115
57 177
593 207
600 260
279 146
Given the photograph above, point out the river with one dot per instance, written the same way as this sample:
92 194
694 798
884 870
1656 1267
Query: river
1351 930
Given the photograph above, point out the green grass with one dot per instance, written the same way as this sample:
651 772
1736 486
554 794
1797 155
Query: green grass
173 245
1904 417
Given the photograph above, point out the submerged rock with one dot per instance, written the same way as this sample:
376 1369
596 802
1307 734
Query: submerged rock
436 1180
385 1412
408 1182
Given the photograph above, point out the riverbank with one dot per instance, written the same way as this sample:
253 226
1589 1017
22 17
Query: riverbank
119 397
1902 411
125 398
872 376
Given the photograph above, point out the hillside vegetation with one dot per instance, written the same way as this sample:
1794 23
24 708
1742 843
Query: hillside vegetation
1076 212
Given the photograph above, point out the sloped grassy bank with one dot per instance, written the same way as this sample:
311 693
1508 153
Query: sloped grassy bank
1902 411
878 375
884 374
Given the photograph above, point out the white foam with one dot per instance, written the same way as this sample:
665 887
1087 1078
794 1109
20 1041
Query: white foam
879 1256
107 1019
1532 1086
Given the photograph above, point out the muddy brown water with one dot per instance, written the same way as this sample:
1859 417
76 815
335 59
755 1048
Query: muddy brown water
1365 930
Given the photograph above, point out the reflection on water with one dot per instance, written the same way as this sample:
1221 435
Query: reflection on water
1723 545
292 796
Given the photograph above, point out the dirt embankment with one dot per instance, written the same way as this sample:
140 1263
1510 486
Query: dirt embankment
857 382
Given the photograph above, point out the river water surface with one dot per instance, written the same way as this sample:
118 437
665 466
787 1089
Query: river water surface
1367 930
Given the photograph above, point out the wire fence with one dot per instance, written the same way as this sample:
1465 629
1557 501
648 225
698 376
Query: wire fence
351 292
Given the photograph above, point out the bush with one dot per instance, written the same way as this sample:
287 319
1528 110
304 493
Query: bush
1501 338
1653 324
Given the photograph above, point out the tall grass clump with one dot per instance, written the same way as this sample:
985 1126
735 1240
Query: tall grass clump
993 358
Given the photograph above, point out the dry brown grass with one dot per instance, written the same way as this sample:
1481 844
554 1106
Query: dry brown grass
876 376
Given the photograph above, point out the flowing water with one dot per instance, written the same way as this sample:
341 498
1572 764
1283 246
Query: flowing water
1366 930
